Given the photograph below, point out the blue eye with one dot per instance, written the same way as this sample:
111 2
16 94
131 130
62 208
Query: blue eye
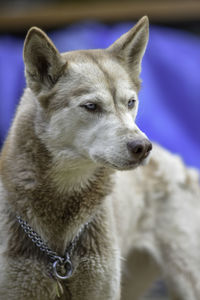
90 106
131 103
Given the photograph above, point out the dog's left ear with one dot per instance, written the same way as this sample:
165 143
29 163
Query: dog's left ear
43 62
131 46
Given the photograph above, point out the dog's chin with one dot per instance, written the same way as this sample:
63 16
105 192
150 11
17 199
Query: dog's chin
132 164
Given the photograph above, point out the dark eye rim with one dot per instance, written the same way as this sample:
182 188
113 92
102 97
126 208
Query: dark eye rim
131 103
91 107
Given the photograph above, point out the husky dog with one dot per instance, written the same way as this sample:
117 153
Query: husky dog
73 225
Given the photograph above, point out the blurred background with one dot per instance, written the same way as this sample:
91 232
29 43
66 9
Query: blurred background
169 110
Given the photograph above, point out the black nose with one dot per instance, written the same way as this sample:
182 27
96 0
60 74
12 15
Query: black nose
139 148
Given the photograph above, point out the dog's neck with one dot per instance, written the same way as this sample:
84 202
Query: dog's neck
56 200
70 177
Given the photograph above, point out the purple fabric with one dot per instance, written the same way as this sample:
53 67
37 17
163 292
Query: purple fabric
169 100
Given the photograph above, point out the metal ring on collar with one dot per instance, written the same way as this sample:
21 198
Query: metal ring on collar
66 265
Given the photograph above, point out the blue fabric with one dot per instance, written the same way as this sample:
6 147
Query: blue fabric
169 100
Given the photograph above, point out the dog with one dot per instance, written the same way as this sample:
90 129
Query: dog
88 210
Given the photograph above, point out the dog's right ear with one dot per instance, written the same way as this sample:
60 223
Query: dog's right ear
43 62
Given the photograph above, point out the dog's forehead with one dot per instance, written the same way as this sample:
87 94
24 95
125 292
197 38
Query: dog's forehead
100 71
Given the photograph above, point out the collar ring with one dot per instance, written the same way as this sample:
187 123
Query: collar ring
62 269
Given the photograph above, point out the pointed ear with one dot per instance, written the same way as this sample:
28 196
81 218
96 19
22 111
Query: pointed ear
131 46
43 62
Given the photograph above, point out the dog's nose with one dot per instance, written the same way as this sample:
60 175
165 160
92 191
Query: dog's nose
139 148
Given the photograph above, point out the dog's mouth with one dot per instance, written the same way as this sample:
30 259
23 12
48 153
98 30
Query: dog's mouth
123 166
128 166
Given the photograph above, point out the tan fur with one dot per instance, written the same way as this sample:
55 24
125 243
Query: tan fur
59 171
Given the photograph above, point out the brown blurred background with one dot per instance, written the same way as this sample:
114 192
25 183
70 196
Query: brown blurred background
19 15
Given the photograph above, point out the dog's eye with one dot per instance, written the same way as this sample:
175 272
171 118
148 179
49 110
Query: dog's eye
93 107
131 103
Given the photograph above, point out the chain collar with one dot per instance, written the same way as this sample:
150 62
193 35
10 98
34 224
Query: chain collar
62 267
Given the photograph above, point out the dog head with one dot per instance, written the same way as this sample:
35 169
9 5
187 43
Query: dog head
87 100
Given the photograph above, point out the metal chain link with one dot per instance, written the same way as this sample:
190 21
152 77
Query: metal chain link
57 261
36 239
